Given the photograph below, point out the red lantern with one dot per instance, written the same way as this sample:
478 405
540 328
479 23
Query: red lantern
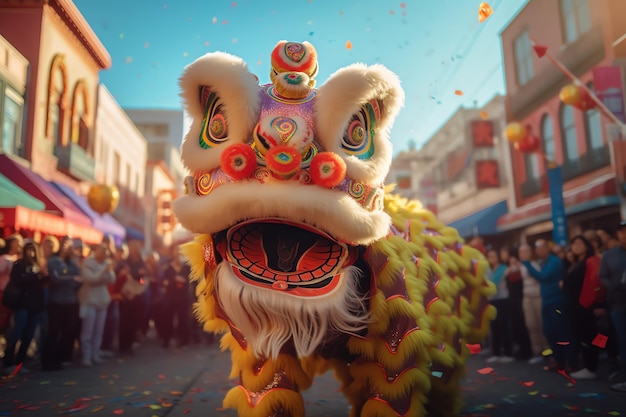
527 145
577 96
515 132
103 198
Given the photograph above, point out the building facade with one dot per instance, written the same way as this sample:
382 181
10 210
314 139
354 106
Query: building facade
581 35
121 154
462 172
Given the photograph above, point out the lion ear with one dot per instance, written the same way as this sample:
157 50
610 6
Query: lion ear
355 110
222 99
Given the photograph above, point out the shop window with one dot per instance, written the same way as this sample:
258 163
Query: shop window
523 58
568 133
575 14
11 122
547 138
79 129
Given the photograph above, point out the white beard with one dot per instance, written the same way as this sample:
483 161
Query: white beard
268 318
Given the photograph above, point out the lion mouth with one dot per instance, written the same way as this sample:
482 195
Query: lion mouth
286 256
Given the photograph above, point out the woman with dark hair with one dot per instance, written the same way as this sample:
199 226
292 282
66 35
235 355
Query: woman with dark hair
584 266
501 343
63 319
515 285
28 309
11 251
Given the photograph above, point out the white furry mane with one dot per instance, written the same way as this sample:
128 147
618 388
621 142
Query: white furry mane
270 319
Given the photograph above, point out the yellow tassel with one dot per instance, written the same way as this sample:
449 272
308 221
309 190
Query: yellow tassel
273 401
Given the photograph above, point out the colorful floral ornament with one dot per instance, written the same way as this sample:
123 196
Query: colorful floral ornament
327 169
238 161
283 160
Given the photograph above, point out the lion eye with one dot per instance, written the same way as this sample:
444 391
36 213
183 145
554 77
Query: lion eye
214 127
358 139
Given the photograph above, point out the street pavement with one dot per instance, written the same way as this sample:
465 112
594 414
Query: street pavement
192 382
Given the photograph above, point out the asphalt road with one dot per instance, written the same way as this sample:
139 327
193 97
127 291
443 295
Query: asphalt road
193 381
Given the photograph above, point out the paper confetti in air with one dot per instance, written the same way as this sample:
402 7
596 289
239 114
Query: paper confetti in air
348 45
547 352
458 92
484 115
484 11
600 341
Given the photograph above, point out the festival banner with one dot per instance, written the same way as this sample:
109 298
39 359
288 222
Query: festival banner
559 220
482 133
608 86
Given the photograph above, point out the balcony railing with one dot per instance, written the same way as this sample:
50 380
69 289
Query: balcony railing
592 160
75 161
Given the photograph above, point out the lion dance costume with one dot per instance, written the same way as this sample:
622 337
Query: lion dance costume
304 261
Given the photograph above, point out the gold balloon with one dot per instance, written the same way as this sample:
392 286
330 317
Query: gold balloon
571 94
515 132
103 198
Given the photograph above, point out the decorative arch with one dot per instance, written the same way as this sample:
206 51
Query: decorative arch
79 116
56 101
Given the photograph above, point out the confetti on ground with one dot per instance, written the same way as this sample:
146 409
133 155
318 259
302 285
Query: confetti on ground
528 383
118 411
533 392
473 349
564 374
600 340
98 409
484 11
485 371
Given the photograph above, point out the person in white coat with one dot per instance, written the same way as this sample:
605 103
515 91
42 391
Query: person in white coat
93 296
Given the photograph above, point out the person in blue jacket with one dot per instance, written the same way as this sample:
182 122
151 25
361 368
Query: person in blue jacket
553 309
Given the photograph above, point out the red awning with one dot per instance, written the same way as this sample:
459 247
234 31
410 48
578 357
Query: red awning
595 189
22 218
39 188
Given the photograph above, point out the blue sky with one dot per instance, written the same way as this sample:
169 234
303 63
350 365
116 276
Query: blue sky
435 46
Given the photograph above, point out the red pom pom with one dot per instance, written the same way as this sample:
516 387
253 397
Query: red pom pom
238 161
283 161
328 169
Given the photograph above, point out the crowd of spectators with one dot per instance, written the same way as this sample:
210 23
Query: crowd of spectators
564 307
65 304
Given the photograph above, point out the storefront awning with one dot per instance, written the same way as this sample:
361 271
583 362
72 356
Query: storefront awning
599 192
481 223
11 195
105 223
55 202
22 218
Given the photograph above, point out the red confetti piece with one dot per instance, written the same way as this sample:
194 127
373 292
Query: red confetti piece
563 343
484 11
16 370
118 411
161 376
566 376
600 340
187 411
485 371
474 349
528 383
